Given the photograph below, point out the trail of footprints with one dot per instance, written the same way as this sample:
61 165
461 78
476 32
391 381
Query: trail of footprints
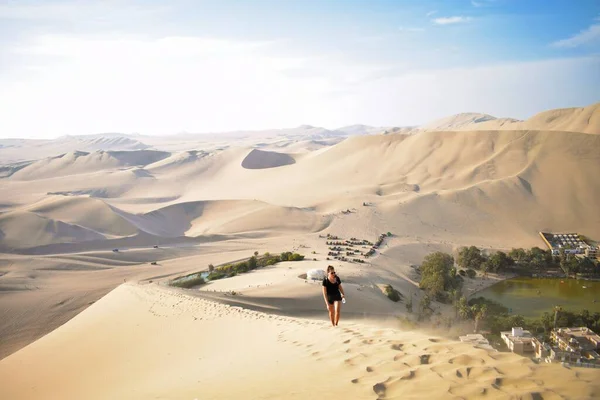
379 362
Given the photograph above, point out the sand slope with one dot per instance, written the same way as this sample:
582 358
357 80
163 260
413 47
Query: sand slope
468 184
81 162
152 342
577 119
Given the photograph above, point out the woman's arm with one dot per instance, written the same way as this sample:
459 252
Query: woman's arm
325 296
342 290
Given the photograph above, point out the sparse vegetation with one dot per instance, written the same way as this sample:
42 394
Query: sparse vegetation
188 283
229 270
392 293
425 310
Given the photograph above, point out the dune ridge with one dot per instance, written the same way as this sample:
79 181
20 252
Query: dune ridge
186 202
519 177
367 362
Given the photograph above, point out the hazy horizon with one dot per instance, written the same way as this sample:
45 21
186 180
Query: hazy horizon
72 68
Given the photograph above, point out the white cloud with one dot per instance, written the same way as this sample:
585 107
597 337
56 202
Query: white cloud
430 13
451 20
166 85
588 36
417 97
124 84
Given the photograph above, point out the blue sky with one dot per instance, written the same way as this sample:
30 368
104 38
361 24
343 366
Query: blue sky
75 67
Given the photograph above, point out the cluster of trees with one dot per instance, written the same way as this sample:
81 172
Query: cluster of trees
471 258
534 259
252 263
229 270
497 318
438 276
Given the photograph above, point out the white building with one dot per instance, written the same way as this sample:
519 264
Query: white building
518 340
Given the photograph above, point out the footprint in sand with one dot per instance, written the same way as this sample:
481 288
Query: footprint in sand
408 376
465 360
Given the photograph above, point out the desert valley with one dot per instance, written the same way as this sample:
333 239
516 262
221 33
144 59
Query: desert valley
95 229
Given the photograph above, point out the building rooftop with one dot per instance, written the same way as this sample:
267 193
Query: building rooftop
580 338
518 335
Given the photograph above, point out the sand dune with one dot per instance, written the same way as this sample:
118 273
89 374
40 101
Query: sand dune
457 121
544 179
21 229
358 361
15 150
259 159
81 162
213 199
85 211
580 119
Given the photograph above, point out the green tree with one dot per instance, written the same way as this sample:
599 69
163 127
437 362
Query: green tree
455 296
539 258
547 321
499 261
435 274
596 318
252 263
425 310
485 267
518 255
464 311
478 311
557 309
586 266
470 257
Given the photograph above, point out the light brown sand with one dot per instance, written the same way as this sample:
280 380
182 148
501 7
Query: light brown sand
216 200
148 341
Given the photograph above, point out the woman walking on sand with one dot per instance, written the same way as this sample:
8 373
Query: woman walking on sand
333 293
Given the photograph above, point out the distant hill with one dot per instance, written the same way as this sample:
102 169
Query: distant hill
580 119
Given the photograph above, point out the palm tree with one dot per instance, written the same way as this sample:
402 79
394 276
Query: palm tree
463 308
455 295
479 312
557 309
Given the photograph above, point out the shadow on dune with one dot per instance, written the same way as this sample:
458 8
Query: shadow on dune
260 159
308 307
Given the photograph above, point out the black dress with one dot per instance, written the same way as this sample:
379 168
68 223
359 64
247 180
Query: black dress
333 289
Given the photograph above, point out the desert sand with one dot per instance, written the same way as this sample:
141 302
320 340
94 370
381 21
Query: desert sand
79 320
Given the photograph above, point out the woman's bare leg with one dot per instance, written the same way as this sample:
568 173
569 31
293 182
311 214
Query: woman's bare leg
338 311
331 314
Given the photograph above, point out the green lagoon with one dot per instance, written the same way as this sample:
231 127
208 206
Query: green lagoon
530 297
